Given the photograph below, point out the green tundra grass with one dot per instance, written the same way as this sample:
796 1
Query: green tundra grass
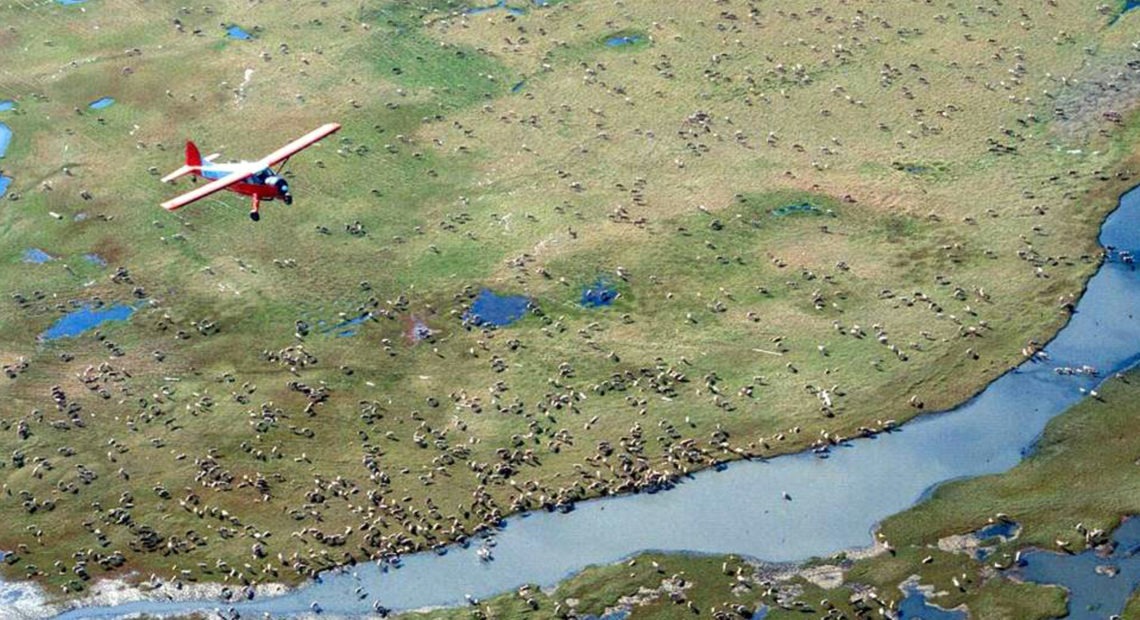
1091 447
956 163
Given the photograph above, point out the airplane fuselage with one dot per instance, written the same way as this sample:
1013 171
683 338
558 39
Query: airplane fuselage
262 186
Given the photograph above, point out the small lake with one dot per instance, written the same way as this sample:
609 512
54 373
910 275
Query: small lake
1093 594
102 103
740 509
502 4
620 40
600 293
5 138
239 33
4 183
916 607
497 310
95 259
35 256
6 104
793 209
78 321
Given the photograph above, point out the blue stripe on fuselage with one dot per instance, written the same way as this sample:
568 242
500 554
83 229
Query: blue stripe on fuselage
257 178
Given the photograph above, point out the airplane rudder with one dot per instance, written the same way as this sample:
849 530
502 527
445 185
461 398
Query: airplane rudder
193 157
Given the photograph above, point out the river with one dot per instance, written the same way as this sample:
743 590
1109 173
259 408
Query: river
834 503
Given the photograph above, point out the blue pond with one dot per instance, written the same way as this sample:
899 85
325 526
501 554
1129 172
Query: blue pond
4 183
6 104
102 102
344 328
5 138
1003 529
501 4
804 207
600 293
95 259
620 40
519 86
419 331
497 310
237 32
70 2
36 255
1092 593
78 321
914 607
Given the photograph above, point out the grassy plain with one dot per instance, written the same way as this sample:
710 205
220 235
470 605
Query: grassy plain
1090 448
961 160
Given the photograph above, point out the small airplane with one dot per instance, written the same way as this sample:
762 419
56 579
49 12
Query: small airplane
255 179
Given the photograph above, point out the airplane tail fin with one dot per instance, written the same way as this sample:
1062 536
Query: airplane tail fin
193 157
193 163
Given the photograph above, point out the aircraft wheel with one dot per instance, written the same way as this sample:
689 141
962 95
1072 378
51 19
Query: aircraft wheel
254 215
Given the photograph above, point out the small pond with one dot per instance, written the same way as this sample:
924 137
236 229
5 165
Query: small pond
6 104
915 607
624 39
600 293
101 103
237 32
793 209
95 259
501 4
5 138
497 310
1099 585
78 321
36 256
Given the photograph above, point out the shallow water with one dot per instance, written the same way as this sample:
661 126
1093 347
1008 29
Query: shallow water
101 103
5 138
95 259
796 208
237 32
1091 595
6 104
502 4
623 40
915 606
35 256
1002 529
4 183
836 501
497 310
600 293
78 321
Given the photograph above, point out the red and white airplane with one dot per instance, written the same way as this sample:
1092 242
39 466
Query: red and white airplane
255 179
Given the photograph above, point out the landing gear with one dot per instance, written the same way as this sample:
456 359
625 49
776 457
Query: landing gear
254 215
288 199
254 212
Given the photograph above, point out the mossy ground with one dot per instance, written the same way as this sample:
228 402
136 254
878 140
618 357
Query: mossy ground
656 164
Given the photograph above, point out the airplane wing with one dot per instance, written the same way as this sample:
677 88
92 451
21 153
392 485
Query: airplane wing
299 144
211 187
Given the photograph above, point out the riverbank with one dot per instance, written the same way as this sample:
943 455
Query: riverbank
1090 447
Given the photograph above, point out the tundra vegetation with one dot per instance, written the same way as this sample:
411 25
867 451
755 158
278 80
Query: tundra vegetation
819 220
1090 447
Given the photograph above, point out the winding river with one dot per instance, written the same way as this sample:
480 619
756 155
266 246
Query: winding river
833 505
